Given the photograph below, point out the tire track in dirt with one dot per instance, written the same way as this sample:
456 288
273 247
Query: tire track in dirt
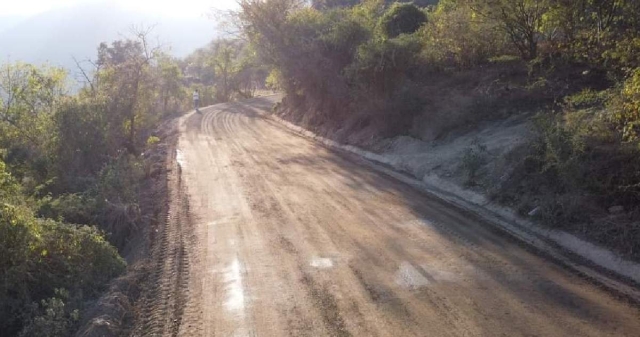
166 288
321 295
295 319
322 298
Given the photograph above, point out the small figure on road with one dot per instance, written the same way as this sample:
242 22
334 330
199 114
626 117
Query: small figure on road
196 100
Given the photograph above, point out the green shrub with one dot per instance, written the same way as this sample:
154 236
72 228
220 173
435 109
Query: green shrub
402 18
111 203
626 107
119 180
504 59
274 80
453 38
558 152
39 256
116 194
77 257
586 98
9 188
153 140
82 145
52 317
380 66
72 208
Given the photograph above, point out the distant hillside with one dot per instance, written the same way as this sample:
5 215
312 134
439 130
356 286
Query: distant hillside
59 35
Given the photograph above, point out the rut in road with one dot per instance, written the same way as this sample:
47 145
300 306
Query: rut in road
283 237
167 285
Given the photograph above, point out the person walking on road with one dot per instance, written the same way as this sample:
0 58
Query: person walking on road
196 100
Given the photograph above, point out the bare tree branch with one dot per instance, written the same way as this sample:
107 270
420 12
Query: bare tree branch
84 74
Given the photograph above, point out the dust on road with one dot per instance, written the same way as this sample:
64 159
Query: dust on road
288 238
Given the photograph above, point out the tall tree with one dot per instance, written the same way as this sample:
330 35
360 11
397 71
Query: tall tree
520 19
125 77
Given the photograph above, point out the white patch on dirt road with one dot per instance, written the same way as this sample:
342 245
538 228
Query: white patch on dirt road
409 277
321 263
235 292
180 158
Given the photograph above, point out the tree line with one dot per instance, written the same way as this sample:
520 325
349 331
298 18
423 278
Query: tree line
73 161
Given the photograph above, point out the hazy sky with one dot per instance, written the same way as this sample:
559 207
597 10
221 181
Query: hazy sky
170 8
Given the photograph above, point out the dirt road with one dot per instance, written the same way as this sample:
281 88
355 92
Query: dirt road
284 237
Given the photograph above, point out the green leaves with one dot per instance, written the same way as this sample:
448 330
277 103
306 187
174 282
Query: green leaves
39 256
402 18
28 97
625 107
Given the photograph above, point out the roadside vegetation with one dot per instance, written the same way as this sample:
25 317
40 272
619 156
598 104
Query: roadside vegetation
362 71
223 71
71 169
75 163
